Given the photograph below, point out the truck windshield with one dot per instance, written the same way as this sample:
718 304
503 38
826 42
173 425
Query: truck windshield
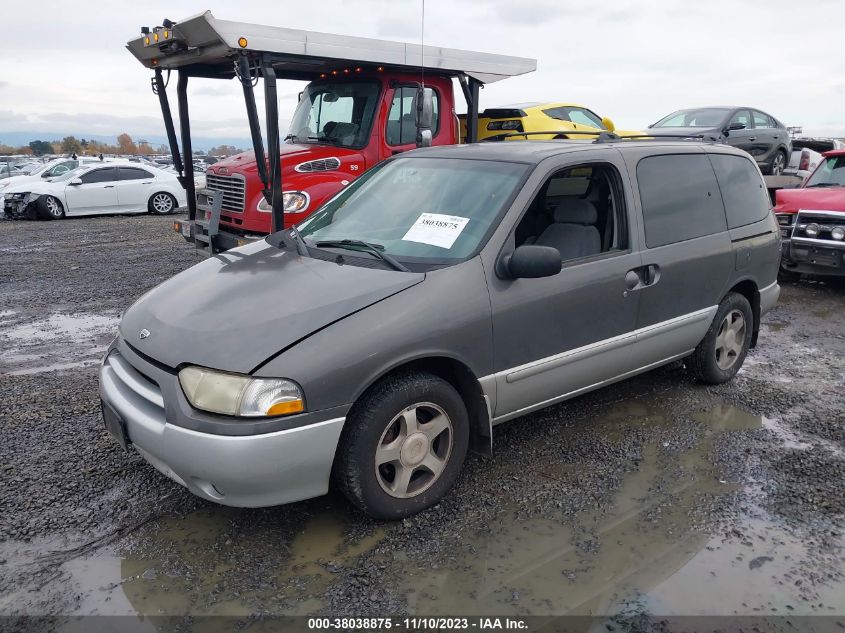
336 113
831 173
419 210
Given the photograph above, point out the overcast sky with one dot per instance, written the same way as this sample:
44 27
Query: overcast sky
64 66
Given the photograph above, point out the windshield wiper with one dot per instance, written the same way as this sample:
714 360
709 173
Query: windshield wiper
360 245
824 184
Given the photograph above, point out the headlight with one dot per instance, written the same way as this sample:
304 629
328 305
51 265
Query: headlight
238 395
811 230
292 202
838 232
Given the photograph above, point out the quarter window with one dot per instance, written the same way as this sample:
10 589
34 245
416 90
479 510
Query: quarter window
743 116
401 121
99 175
746 199
680 198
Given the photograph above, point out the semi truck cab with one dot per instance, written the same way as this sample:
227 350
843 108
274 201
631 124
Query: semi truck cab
343 125
366 100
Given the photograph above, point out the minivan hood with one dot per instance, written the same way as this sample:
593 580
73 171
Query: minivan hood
234 311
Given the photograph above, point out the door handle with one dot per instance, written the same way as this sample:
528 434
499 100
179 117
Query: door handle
752 138
108 187
642 277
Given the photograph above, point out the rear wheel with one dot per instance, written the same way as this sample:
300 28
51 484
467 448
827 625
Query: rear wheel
50 208
162 203
778 164
403 445
722 351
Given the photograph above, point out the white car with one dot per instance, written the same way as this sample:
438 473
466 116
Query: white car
47 170
807 154
116 187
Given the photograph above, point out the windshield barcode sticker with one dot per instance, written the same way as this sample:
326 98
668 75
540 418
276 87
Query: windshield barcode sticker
436 229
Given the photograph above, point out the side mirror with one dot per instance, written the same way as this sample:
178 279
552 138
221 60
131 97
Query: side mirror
424 116
530 261
736 126
608 124
75 181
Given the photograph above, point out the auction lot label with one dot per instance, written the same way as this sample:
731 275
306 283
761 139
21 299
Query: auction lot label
436 229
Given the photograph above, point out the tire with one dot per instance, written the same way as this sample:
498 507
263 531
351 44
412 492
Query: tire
718 358
389 477
49 208
162 203
789 276
778 164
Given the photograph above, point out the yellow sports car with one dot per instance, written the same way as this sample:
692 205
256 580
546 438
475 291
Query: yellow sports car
561 120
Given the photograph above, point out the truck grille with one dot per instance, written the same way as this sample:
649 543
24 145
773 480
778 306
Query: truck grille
825 220
232 188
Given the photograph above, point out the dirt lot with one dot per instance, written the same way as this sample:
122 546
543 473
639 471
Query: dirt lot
650 500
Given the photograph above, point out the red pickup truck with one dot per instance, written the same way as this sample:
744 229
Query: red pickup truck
812 221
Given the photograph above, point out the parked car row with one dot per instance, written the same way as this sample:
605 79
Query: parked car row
98 187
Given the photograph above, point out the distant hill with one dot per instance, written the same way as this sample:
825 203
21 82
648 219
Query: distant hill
24 138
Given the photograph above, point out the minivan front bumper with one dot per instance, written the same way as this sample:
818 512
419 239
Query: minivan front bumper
254 470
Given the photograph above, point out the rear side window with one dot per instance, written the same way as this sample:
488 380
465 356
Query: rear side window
133 173
746 199
680 198
99 175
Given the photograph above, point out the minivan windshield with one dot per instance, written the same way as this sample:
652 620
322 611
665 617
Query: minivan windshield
419 210
702 117
831 173
337 113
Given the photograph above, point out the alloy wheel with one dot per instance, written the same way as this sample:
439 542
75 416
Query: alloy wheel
730 340
777 165
53 207
162 203
414 450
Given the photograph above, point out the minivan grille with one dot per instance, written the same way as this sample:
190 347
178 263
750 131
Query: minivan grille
232 188
321 164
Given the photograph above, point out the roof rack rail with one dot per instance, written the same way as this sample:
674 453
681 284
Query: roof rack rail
601 137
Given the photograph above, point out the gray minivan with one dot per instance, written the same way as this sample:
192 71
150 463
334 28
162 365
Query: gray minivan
445 291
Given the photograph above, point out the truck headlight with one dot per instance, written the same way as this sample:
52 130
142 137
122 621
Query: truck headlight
239 395
812 230
292 202
838 233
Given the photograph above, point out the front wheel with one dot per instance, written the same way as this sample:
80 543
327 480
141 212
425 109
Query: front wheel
162 203
50 208
722 351
403 445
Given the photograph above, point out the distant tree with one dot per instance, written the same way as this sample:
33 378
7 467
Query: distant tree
144 147
39 148
125 144
224 150
163 149
84 143
70 145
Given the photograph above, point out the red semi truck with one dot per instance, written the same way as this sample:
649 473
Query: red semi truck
367 100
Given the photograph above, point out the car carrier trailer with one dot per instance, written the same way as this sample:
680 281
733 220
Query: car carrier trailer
244 198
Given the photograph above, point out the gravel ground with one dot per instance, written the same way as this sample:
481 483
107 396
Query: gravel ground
651 499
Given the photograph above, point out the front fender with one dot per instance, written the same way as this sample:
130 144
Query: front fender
445 316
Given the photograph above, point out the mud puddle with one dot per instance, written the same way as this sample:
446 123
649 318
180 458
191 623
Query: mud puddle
646 552
58 342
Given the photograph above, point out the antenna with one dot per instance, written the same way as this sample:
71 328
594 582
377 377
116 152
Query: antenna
422 47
